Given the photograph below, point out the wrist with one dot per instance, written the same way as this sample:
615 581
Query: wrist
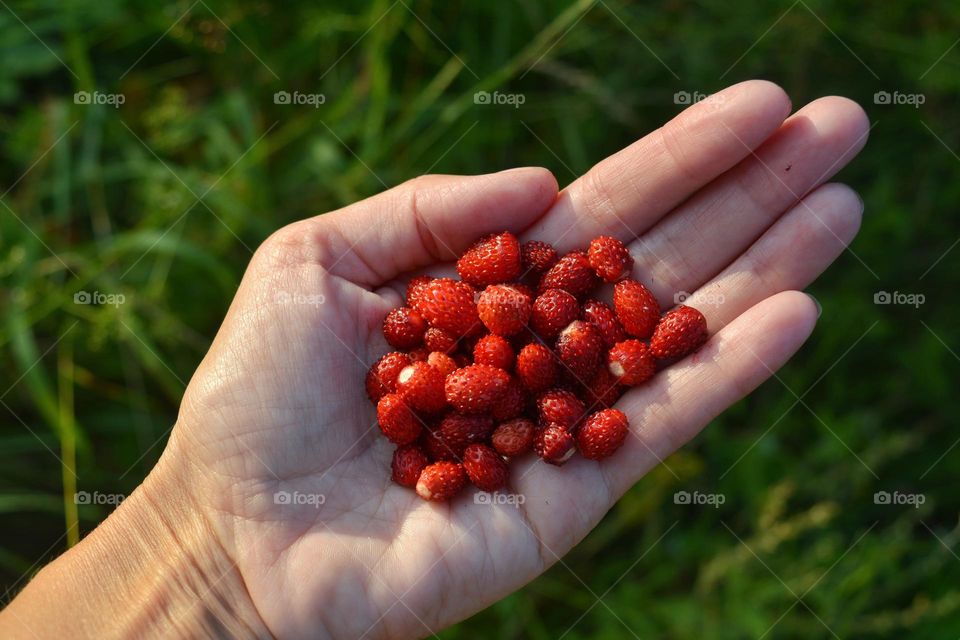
154 568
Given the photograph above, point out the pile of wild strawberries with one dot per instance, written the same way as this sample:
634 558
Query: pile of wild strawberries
487 368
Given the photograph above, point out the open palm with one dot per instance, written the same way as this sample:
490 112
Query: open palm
724 202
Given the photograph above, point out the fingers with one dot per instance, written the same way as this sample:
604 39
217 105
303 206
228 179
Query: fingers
708 231
681 400
426 220
626 193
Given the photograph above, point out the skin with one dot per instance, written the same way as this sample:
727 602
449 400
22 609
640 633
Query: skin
278 404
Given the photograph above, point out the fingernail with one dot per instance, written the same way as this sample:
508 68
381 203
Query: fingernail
860 198
816 302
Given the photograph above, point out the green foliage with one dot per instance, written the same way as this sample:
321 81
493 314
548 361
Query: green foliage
161 200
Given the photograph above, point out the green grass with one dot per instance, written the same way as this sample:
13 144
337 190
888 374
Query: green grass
162 199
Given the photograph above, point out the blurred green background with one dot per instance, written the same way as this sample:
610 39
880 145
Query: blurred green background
156 203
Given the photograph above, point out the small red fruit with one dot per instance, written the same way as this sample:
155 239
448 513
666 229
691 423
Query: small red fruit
603 391
514 437
456 431
554 444
442 363
448 304
491 260
439 340
681 331
609 258
441 481
602 434
553 310
408 461
631 362
537 257
404 328
537 367
571 273
511 404
396 420
414 288
560 407
485 468
580 349
476 388
495 351
600 315
421 387
637 309
382 377
504 309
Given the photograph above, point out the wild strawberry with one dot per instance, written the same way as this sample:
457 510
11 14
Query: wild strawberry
441 481
414 287
681 331
476 388
571 273
511 404
491 260
514 437
603 391
554 444
495 351
448 304
504 309
631 362
421 387
485 468
602 433
537 257
636 308
397 420
439 340
580 348
404 328
442 363
553 310
537 367
455 432
382 377
560 407
420 354
609 258
408 461
600 315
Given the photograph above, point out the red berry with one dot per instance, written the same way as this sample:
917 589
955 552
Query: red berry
439 340
404 328
681 331
600 315
631 362
553 310
560 407
491 260
476 388
448 304
511 404
442 363
604 390
441 481
571 273
382 377
421 387
609 258
514 437
537 367
485 468
408 461
580 349
456 431
414 287
554 444
602 434
504 309
495 351
420 354
636 308
537 257
397 420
